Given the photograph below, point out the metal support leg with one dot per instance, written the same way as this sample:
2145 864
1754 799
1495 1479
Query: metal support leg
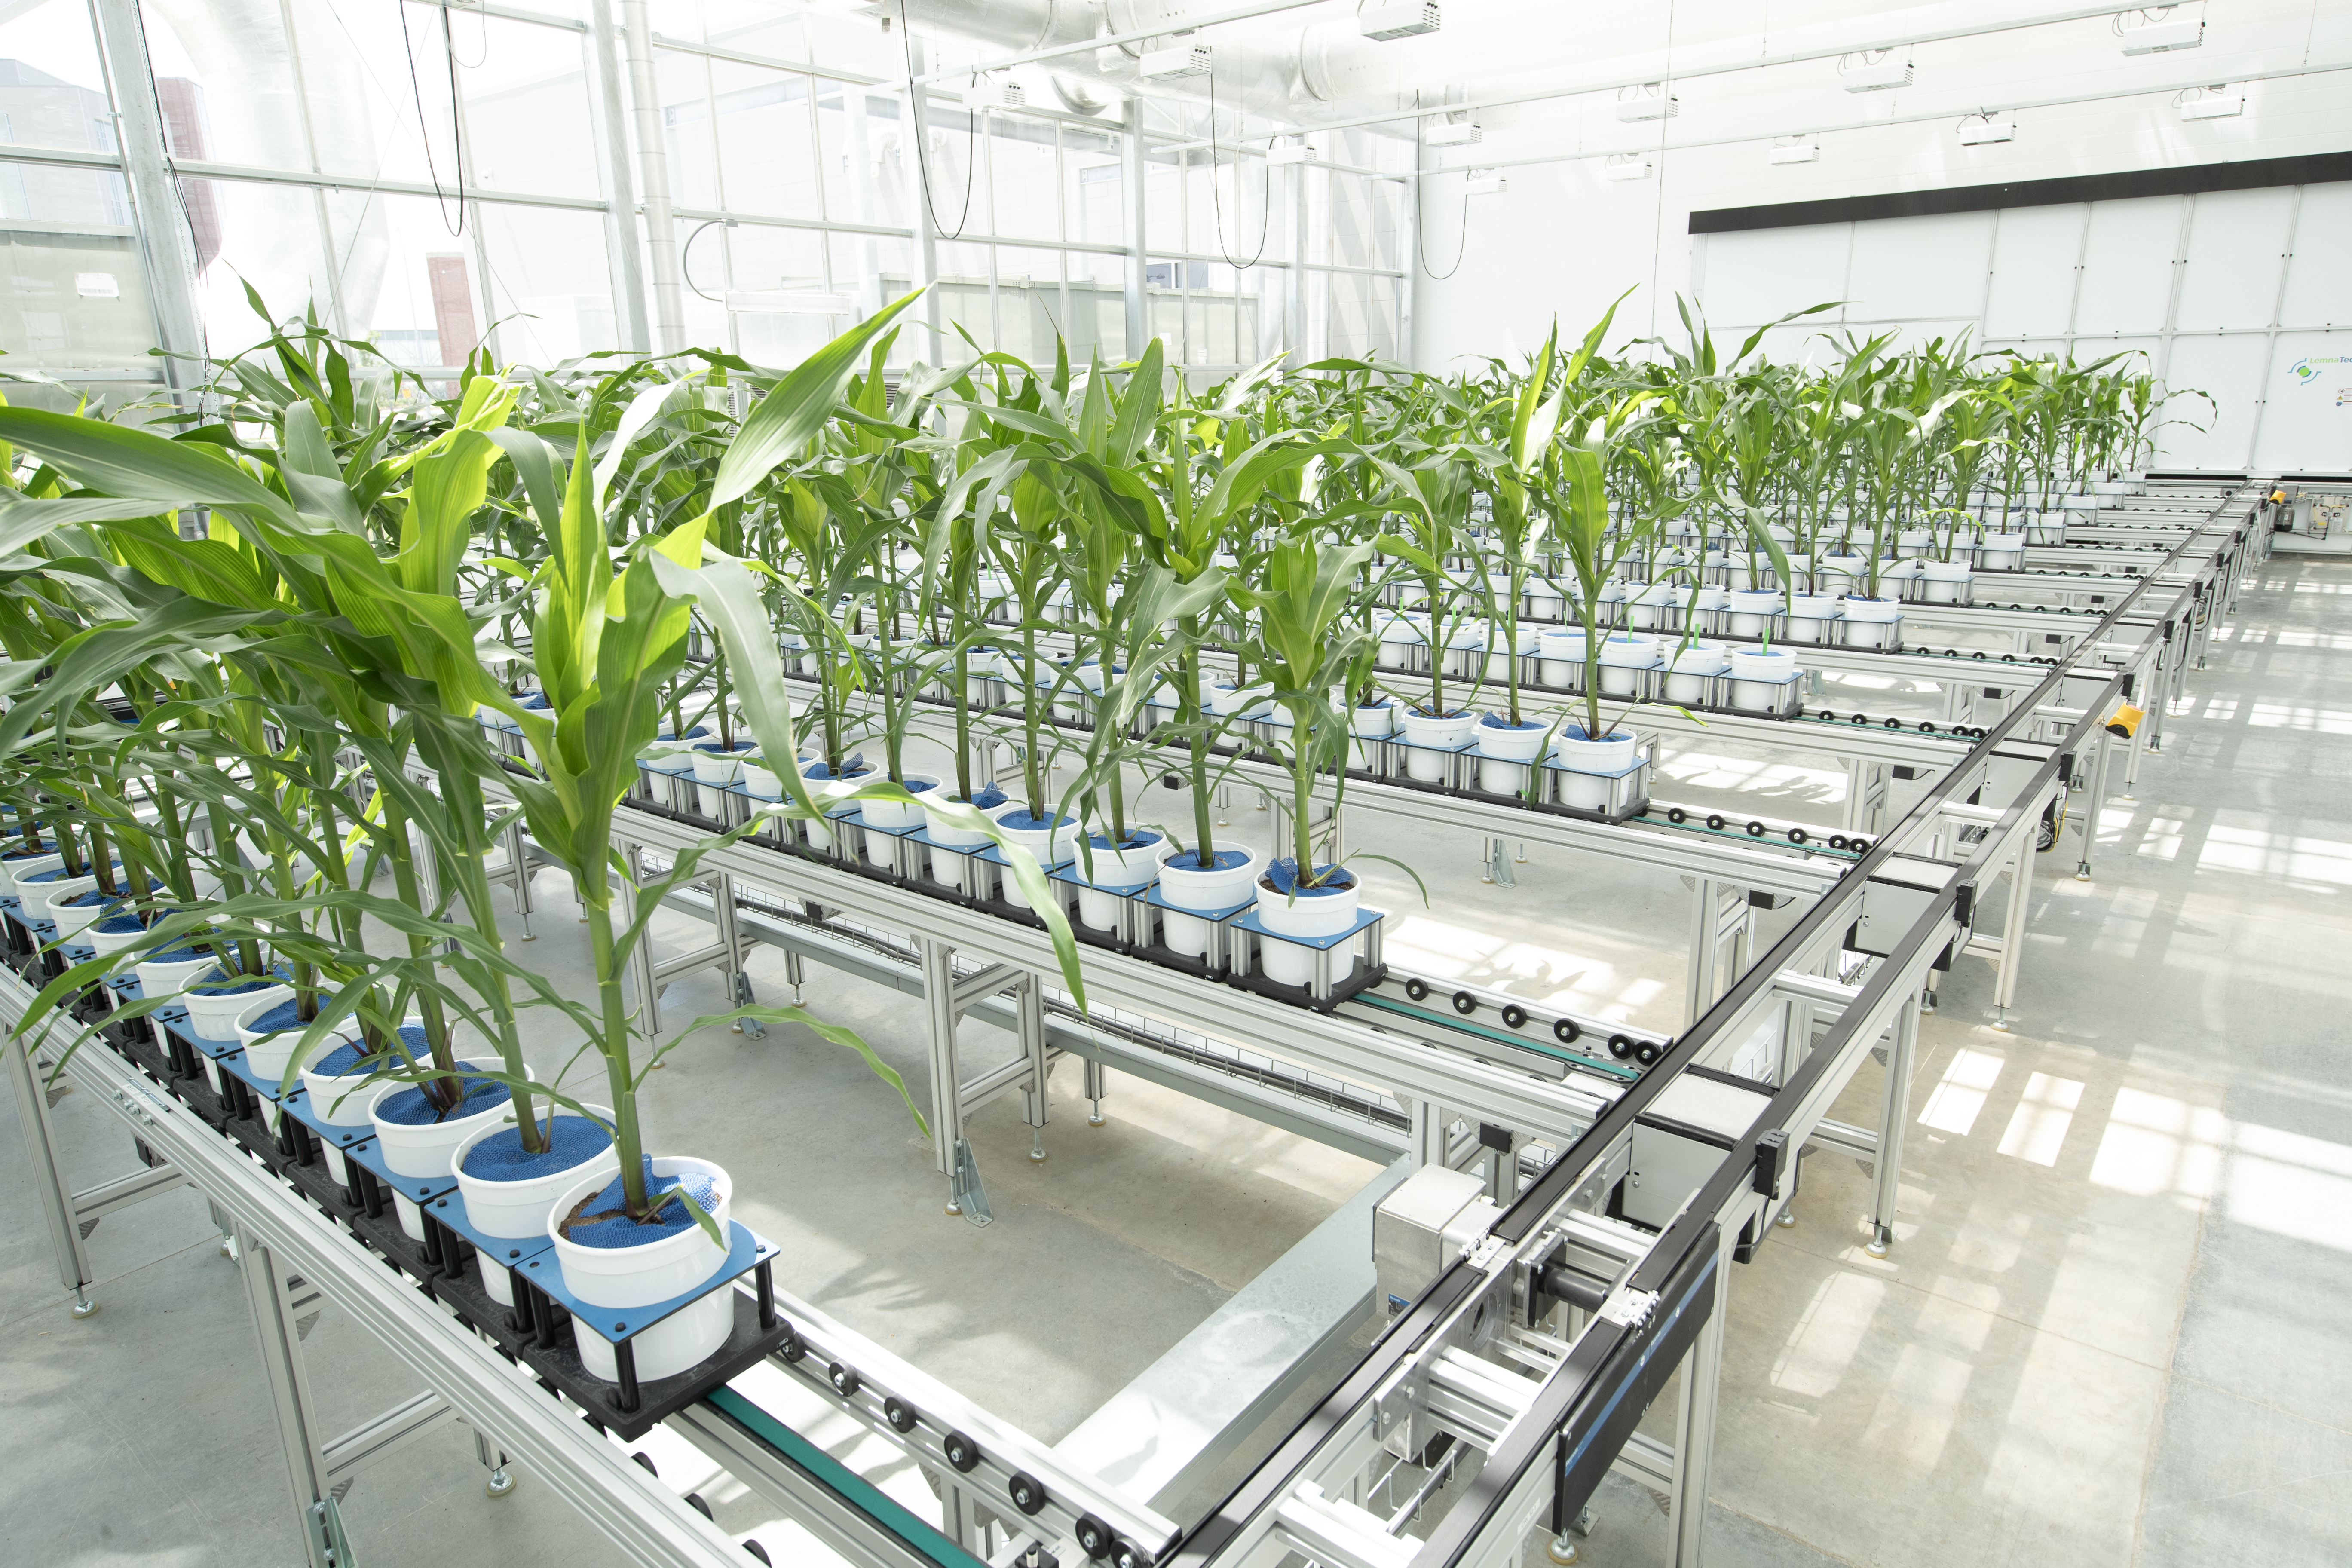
1096 1088
56 1198
730 937
2013 933
1893 1119
1429 1124
500 1482
1695 1424
271 1294
1029 1001
947 1100
519 861
2092 803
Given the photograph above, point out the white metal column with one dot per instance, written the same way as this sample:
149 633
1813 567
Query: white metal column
163 234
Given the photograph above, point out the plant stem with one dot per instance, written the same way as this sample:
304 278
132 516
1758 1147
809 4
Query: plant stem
628 1141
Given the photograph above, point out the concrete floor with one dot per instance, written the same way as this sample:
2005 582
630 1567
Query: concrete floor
2111 1329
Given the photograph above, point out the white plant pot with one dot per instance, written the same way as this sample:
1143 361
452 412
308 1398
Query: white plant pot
1692 667
1757 677
1559 656
625 1276
1504 753
1206 892
1398 639
1447 732
1317 913
1137 866
1873 623
106 942
1051 844
1810 616
28 865
1836 574
1623 658
951 869
268 1057
1912 542
759 778
1646 610
66 911
1752 610
1545 604
170 979
2002 552
1590 768
212 1015
893 813
713 771
1498 664
516 1210
419 1151
1945 582
1228 702
1377 722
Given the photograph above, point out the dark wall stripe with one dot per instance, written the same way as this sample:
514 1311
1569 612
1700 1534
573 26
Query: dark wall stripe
2249 174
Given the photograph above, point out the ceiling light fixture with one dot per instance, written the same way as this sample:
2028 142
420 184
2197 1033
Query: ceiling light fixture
1181 59
1650 101
1625 167
1452 134
1287 153
1795 149
1384 21
2160 30
1978 129
2215 103
1484 182
1873 70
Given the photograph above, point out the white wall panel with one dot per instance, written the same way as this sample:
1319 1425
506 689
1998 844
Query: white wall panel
1760 275
2319 277
2230 371
2307 408
2237 247
2034 253
2128 264
1915 267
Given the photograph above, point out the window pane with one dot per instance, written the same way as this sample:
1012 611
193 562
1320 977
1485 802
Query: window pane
1023 183
550 282
409 286
527 122
52 91
267 236
766 152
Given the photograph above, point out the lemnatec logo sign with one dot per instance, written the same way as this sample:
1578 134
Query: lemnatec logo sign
2308 369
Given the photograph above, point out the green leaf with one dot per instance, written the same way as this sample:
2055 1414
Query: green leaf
789 417
135 464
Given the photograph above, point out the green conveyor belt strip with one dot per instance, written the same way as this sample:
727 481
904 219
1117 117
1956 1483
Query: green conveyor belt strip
1520 1042
841 1481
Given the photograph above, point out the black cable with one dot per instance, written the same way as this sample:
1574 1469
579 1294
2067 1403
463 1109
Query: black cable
1216 202
686 259
416 95
922 162
1420 232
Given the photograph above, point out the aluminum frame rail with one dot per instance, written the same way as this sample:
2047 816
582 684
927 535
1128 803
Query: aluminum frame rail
501 1403
1671 1297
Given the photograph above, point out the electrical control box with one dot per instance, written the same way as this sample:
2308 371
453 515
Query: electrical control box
1682 1140
1423 1227
1898 894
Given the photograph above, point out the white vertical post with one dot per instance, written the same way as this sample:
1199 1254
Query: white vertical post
156 203
1131 179
653 163
611 113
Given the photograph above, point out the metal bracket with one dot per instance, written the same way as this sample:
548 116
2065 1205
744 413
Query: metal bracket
969 1197
328 1542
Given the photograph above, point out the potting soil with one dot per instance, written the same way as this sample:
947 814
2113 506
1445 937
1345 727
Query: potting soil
603 1221
409 1108
571 1140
